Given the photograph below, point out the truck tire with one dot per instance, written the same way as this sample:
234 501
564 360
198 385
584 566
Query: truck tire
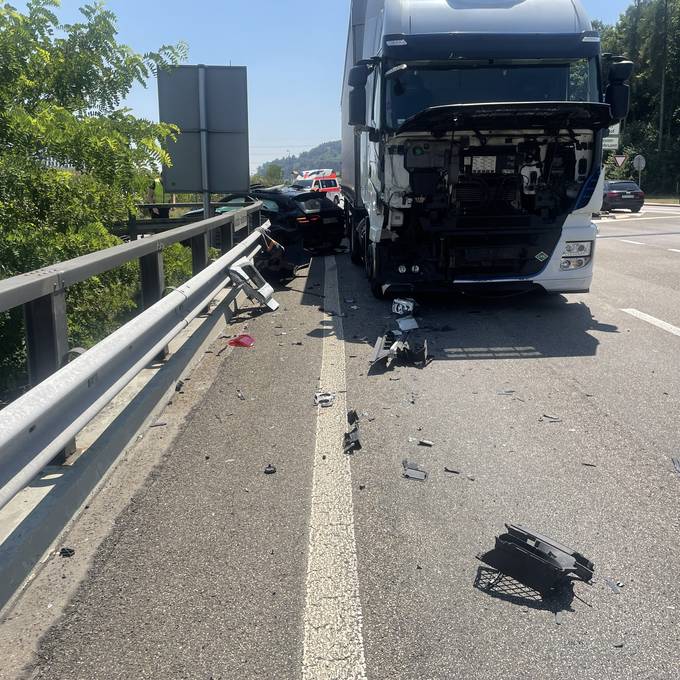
355 249
371 262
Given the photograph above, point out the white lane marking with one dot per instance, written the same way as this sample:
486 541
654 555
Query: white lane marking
333 640
634 218
674 250
637 243
654 321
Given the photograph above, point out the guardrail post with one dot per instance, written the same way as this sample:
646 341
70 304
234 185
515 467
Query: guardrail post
199 253
47 344
227 237
153 285
132 227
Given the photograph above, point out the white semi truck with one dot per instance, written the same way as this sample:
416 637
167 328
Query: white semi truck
472 142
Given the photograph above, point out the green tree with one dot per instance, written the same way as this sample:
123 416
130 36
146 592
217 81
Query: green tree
274 173
648 33
72 159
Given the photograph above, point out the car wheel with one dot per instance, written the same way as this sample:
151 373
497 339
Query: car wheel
635 210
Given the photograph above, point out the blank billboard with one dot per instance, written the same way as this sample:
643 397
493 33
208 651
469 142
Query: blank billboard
226 117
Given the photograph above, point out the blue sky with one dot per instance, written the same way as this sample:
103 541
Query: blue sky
294 53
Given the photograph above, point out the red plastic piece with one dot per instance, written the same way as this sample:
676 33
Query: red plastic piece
242 341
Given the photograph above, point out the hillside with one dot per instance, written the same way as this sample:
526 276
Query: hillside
326 155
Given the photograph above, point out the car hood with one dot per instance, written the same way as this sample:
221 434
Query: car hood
510 116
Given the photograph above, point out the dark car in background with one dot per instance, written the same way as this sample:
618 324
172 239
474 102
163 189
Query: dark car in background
300 213
622 194
295 215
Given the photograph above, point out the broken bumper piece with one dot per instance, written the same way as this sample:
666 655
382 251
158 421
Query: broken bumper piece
535 560
390 349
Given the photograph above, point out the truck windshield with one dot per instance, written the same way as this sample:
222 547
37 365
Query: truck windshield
417 88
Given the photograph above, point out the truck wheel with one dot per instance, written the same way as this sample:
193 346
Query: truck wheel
371 260
354 245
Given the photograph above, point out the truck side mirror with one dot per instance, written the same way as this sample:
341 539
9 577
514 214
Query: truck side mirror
357 95
618 91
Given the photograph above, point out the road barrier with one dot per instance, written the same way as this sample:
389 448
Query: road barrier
43 422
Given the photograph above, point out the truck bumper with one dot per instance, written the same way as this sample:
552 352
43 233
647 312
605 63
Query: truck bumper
551 278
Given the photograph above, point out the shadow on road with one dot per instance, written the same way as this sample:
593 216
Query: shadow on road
503 587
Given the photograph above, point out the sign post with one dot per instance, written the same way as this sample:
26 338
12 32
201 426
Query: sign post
639 163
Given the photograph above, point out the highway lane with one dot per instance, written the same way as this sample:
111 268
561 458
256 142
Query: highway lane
206 574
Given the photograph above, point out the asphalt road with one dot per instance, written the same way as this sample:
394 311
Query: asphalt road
206 573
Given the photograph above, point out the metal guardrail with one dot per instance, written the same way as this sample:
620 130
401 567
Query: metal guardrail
41 423
43 292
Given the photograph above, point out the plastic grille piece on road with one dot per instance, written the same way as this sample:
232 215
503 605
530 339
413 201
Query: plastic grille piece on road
536 560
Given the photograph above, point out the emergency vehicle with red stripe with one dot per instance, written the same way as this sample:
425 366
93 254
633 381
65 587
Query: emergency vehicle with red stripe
324 181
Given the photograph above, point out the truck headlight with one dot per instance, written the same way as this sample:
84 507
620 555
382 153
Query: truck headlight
568 263
578 249
577 254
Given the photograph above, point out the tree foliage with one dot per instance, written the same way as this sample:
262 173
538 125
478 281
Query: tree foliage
648 33
73 160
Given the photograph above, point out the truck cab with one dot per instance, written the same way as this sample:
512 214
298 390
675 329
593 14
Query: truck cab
472 142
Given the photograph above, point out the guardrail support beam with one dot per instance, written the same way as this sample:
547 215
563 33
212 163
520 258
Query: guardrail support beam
153 285
199 253
47 344
227 237
46 335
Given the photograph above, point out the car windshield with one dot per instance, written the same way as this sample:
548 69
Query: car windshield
303 183
623 186
415 88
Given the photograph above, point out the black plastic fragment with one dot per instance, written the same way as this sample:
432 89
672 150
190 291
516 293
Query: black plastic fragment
351 441
67 552
269 470
536 560
676 464
352 417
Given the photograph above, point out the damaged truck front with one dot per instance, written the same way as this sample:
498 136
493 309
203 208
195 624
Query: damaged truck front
472 142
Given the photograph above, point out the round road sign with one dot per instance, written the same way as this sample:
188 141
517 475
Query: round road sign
639 162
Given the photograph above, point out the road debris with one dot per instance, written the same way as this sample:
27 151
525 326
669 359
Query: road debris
159 423
615 586
351 441
421 442
352 417
676 464
589 465
67 552
390 348
349 300
270 470
324 399
550 419
618 645
403 306
471 478
240 394
407 323
559 616
505 393
179 386
413 471
536 561
451 471
243 340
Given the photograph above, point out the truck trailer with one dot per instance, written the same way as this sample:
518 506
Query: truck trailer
472 143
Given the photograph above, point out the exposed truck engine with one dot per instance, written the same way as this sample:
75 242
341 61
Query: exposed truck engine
449 181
